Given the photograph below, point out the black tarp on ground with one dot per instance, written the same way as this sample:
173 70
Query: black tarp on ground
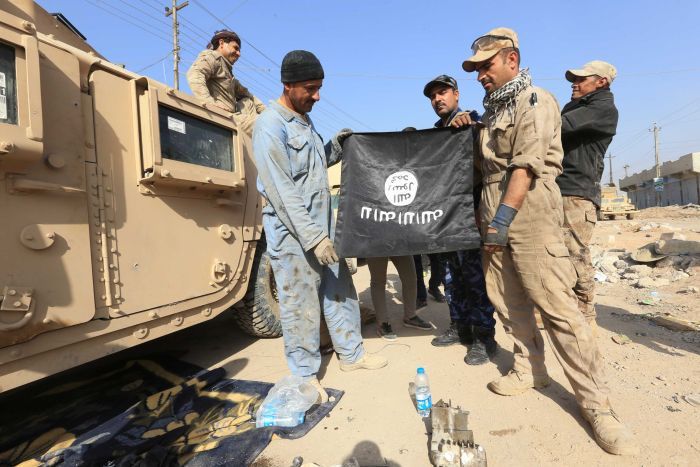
406 193
155 412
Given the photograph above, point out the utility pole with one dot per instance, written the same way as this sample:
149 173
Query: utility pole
610 158
626 166
656 130
176 45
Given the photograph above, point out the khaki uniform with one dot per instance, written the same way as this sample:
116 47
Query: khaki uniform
534 272
211 80
580 219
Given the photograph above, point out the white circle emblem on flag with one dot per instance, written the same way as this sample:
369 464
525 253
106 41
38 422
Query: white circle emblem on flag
400 188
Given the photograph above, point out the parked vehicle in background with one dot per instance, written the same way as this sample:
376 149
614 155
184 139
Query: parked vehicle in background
613 204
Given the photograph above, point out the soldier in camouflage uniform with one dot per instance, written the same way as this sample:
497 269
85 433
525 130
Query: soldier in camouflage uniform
471 312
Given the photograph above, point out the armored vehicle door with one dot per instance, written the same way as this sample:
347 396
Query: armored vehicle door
171 199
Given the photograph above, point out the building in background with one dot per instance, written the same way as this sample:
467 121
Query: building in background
679 184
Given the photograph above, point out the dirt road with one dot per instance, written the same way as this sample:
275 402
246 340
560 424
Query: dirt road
650 371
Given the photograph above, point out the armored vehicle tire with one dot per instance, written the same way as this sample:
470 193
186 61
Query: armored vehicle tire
258 314
601 216
630 216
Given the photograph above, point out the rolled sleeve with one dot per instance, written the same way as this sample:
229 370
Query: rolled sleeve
275 173
533 136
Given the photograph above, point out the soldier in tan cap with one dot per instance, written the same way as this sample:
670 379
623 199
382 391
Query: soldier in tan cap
588 124
527 264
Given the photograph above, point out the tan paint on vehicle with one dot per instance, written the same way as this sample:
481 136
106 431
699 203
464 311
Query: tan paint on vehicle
613 203
107 242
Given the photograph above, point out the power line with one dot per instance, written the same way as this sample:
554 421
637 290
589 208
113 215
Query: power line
236 8
196 2
126 20
140 70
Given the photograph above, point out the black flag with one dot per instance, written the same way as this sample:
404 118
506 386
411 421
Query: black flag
405 193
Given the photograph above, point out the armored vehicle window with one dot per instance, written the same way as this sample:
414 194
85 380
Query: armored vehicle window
8 86
187 139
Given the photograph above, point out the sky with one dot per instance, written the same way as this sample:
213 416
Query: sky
378 55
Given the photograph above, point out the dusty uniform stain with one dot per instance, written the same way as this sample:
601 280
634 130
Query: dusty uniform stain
579 220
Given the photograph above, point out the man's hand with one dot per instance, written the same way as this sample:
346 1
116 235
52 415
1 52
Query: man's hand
497 232
461 119
325 253
342 135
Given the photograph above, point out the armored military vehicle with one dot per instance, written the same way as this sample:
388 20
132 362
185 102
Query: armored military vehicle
613 204
129 210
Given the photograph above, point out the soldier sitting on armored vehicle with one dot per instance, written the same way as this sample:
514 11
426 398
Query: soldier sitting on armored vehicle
211 80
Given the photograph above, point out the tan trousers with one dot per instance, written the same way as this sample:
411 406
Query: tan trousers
580 219
535 273
407 273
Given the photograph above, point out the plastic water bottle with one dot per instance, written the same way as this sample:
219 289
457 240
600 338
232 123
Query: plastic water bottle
286 403
424 401
275 414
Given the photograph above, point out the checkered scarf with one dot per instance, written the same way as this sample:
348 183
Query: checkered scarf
503 98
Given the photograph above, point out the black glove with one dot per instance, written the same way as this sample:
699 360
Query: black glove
501 222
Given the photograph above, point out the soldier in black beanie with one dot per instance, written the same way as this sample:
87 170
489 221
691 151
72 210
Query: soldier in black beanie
292 166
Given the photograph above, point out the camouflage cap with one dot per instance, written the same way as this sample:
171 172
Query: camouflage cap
488 45
596 67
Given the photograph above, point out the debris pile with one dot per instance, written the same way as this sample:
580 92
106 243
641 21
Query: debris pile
670 259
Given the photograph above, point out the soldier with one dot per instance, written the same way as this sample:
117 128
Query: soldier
526 262
471 312
293 179
588 124
211 80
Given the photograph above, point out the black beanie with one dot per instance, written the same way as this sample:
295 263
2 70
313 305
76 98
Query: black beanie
301 65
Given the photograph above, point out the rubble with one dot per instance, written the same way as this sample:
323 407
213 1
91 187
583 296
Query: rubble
675 324
641 270
650 283
676 246
678 275
689 289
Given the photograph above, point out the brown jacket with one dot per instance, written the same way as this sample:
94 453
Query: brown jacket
211 80
529 138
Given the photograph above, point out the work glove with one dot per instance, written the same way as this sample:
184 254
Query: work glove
325 253
338 138
501 223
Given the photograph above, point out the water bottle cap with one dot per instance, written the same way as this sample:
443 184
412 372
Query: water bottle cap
420 370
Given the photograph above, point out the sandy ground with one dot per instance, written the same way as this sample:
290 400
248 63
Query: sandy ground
376 422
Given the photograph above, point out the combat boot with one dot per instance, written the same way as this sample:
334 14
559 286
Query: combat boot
515 383
610 433
367 362
455 334
484 346
322 394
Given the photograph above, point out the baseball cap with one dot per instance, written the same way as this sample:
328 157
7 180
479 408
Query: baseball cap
596 67
488 45
442 79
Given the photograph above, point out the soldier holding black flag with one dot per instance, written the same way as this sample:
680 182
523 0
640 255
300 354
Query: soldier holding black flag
293 178
527 263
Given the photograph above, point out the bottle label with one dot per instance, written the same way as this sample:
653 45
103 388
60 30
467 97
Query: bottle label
424 403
